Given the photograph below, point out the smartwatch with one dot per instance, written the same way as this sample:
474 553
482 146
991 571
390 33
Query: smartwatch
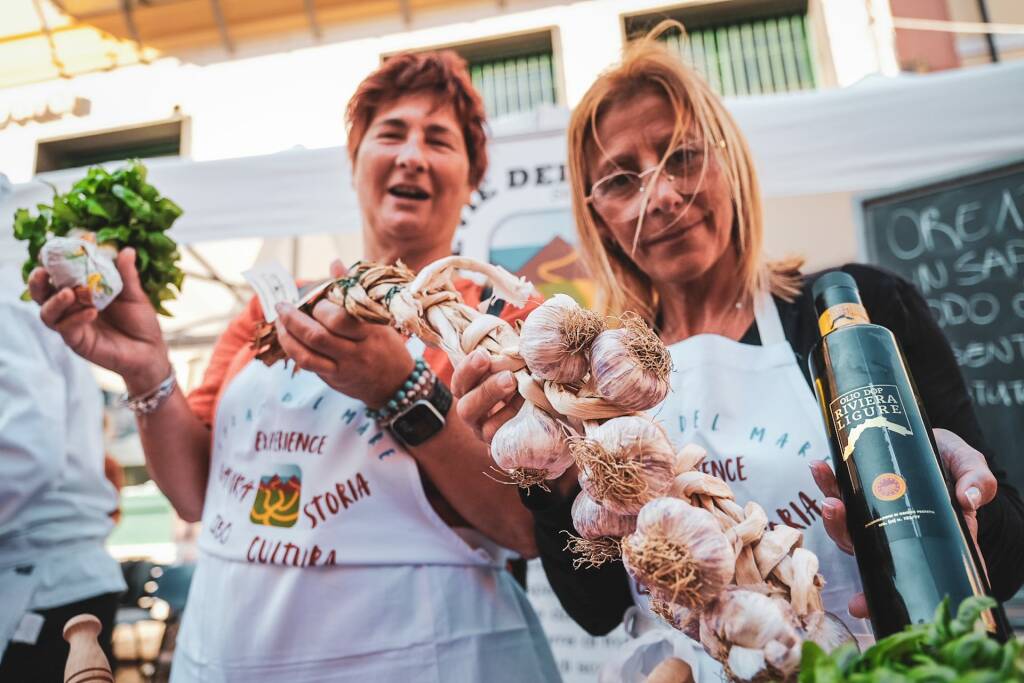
423 418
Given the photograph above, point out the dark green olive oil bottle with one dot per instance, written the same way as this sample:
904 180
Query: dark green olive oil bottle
912 544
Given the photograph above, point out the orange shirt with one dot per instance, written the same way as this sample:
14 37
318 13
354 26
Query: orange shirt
234 351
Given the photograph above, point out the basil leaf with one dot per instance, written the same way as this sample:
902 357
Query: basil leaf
139 206
119 233
141 258
161 243
96 208
933 673
810 655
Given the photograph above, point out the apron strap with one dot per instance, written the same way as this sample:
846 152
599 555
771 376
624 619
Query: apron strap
766 314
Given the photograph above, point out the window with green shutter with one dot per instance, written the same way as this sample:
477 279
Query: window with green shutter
513 74
514 84
742 56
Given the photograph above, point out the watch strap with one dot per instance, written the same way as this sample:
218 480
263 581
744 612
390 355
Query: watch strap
441 397
428 422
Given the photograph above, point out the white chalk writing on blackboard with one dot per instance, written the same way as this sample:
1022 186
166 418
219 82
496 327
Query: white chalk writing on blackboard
1005 349
912 234
960 240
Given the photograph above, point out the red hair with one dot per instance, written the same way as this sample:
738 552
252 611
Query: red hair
442 74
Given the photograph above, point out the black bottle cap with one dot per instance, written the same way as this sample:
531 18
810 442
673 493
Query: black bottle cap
834 288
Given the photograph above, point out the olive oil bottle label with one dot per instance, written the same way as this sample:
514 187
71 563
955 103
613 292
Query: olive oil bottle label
875 406
873 431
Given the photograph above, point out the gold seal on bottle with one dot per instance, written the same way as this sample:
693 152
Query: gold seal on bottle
889 486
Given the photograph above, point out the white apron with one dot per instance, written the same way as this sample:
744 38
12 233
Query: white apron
752 409
322 559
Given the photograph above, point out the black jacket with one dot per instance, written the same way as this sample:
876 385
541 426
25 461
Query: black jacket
597 598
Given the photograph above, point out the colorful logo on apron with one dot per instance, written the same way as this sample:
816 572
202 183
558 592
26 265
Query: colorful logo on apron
277 498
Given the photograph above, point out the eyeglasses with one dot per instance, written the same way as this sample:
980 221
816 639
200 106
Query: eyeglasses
618 196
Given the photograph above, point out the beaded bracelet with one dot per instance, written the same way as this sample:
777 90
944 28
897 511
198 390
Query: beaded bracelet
418 386
150 401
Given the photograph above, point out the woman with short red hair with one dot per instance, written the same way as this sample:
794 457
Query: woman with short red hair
348 531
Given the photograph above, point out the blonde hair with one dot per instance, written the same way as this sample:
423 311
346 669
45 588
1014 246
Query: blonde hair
647 65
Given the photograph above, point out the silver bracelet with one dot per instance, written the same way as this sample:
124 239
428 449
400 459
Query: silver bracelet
148 403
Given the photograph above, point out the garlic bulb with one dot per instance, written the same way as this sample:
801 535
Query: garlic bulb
599 532
784 659
594 521
531 447
679 553
555 339
755 636
630 366
627 461
827 630
739 616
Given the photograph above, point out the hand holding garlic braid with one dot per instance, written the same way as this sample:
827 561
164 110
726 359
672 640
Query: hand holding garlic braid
713 571
625 373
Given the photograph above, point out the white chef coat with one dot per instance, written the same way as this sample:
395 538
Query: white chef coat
55 501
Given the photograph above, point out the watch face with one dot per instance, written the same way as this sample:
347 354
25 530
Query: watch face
417 424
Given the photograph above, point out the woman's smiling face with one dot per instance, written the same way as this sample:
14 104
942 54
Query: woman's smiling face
687 221
411 173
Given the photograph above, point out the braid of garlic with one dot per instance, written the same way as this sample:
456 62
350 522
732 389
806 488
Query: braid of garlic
756 622
529 449
699 553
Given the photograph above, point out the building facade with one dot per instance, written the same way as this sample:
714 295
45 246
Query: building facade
87 80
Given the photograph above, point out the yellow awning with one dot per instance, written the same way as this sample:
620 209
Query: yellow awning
47 39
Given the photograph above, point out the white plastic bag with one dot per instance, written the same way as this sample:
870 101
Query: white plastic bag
78 263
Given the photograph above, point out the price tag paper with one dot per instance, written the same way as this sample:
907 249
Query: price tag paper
272 284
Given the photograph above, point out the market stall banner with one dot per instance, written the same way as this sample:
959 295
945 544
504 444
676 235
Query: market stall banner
521 218
960 240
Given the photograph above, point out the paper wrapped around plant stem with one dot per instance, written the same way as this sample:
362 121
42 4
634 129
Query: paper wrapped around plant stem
89 270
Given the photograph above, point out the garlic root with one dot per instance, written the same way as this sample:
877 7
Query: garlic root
627 461
679 553
600 532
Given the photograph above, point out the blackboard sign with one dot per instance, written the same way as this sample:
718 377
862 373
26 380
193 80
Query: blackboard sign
960 240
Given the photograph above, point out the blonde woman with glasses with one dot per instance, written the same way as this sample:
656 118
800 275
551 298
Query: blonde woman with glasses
669 216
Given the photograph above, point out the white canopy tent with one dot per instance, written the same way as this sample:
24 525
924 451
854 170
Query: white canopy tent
813 150
880 132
